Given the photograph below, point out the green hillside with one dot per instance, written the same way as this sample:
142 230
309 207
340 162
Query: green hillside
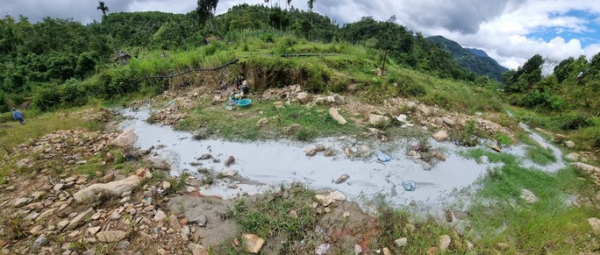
476 61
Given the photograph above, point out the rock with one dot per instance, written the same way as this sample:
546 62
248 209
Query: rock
386 251
230 160
342 178
159 216
448 215
570 144
166 185
310 152
108 178
440 156
200 134
185 232
378 120
470 246
205 156
252 243
262 122
116 187
111 236
595 224
229 173
401 242
448 121
174 223
58 187
201 220
424 110
572 156
21 201
528 196
303 97
92 231
75 222
336 116
410 105
122 245
402 118
125 140
61 225
347 152
586 168
37 195
357 249
329 153
333 196
444 243
39 242
338 99
440 136
197 249
484 160
278 104
460 215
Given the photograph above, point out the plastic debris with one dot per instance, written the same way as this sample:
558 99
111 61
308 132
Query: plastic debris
409 186
322 248
383 157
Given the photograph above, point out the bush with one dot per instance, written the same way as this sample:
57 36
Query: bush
410 88
46 98
3 103
73 94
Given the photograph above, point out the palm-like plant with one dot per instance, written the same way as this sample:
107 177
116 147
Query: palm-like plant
103 8
288 3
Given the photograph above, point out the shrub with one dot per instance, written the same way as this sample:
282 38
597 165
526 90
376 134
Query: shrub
46 98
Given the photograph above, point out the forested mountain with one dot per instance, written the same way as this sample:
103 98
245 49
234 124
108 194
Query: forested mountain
474 60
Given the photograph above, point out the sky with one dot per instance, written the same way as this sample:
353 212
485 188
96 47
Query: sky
510 31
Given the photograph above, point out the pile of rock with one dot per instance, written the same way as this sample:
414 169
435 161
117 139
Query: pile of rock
74 146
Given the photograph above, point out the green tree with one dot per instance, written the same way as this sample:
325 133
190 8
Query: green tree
206 12
104 9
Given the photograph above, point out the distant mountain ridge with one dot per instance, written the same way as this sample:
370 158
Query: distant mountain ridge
474 60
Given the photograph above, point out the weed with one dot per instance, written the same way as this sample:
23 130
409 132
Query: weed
540 155
469 136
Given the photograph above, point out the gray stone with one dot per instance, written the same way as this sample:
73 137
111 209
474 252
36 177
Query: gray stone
39 242
21 201
205 156
572 156
342 179
448 121
262 122
200 134
528 196
303 97
401 242
160 215
378 120
75 222
252 243
357 249
185 232
201 220
122 245
125 140
37 195
116 187
111 236
93 230
61 225
230 160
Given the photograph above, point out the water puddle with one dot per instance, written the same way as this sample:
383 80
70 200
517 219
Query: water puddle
269 164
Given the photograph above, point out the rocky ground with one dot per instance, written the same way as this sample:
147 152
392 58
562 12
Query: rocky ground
81 192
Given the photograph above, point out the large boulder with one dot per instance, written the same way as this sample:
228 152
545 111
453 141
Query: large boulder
440 136
336 116
115 188
125 140
589 169
303 97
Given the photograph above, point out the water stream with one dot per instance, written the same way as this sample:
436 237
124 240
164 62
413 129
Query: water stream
269 164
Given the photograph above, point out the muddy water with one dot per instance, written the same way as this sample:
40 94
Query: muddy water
271 163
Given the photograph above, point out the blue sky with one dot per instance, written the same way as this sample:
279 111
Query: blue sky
511 31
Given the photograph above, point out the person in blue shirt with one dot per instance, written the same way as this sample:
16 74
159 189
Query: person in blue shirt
18 116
